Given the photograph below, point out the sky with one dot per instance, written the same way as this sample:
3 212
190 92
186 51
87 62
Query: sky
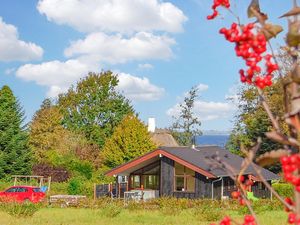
159 49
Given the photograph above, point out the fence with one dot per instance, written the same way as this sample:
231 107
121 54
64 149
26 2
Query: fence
114 190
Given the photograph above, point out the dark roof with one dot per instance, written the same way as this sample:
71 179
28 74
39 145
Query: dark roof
199 156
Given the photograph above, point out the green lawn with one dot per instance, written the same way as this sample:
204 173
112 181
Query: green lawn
73 216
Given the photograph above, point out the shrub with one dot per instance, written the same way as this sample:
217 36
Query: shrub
16 209
58 188
4 184
82 168
57 173
264 205
283 189
75 186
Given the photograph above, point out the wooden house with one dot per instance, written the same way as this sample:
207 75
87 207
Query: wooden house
185 172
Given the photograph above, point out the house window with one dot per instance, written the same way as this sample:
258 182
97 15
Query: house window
184 178
135 181
151 182
261 186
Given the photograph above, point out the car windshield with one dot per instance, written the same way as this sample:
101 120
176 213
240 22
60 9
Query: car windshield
36 190
11 190
22 189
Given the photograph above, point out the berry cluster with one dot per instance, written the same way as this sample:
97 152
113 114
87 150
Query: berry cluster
251 47
248 220
218 3
291 167
292 219
237 195
246 185
225 221
290 202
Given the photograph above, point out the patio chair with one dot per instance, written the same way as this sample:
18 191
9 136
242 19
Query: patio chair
138 196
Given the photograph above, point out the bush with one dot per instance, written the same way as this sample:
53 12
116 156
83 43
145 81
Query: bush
4 184
17 209
75 186
57 173
58 188
82 168
283 189
264 205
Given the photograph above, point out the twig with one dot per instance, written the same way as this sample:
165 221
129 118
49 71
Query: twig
234 15
275 58
261 177
250 156
232 175
268 111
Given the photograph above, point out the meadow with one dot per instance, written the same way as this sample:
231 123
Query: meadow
79 216
162 211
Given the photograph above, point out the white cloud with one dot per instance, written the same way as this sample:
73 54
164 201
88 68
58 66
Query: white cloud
209 110
56 75
139 89
145 66
114 15
202 87
13 49
117 49
206 110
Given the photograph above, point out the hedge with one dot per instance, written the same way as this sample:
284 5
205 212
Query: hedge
284 189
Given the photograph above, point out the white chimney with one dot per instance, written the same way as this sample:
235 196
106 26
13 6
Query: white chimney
151 125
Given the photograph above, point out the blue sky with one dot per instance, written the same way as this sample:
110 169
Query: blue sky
160 49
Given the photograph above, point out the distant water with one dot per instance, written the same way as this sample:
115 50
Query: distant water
219 140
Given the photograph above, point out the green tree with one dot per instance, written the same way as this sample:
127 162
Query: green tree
252 120
48 137
186 125
46 130
15 154
94 107
130 140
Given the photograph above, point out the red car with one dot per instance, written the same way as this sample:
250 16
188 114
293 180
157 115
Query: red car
22 193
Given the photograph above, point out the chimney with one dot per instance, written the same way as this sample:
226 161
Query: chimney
151 125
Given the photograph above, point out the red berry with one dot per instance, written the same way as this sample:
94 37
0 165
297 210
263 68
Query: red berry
235 194
292 218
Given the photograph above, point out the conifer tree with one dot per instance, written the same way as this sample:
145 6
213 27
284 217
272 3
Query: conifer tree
15 155
187 125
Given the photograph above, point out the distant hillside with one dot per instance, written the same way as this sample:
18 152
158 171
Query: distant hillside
216 132
219 140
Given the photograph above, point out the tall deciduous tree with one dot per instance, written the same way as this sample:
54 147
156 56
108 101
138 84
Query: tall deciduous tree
252 121
130 140
187 125
94 107
48 134
15 155
46 130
